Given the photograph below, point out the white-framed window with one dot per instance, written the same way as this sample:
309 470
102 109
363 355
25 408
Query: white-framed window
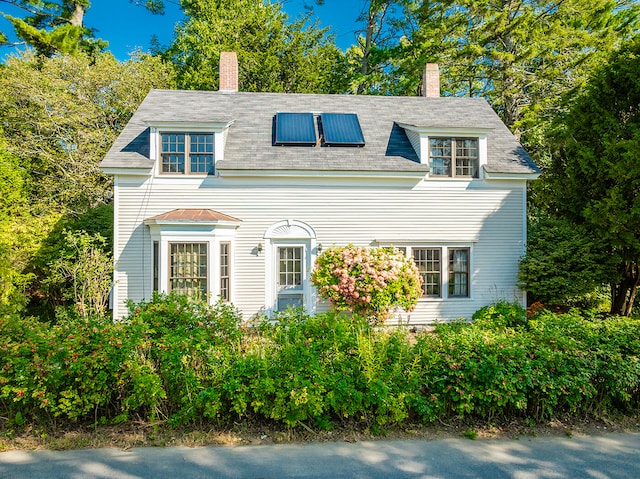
189 269
451 152
225 271
454 157
194 265
429 263
459 266
445 269
183 153
187 149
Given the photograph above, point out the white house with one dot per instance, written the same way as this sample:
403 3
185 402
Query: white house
235 194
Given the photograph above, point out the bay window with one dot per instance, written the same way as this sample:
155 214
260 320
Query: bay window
192 253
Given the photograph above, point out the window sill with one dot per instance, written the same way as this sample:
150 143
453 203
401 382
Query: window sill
425 299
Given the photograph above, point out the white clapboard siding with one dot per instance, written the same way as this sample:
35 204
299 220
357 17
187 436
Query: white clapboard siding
487 216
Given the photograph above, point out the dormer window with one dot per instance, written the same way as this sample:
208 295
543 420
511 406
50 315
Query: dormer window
453 157
187 153
450 152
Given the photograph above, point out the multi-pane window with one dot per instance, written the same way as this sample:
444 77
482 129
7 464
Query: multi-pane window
187 153
445 270
289 274
225 271
156 265
290 266
430 267
453 157
188 269
458 272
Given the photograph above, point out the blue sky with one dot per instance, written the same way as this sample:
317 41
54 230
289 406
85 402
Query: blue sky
126 26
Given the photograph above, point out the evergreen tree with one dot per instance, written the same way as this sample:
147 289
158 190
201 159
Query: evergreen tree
594 179
274 55
57 26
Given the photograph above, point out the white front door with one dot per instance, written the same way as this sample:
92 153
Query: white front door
290 276
290 250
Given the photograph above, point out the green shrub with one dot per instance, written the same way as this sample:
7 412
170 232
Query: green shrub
501 315
70 370
186 349
185 362
322 369
472 371
295 369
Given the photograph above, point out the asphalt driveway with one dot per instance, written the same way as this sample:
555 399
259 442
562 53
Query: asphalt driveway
600 457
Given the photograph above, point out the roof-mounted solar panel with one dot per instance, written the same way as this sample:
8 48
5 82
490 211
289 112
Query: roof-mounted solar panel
342 129
295 129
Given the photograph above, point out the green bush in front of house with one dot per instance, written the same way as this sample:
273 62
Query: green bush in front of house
182 362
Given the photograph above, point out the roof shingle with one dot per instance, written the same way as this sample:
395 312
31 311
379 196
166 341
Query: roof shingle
250 141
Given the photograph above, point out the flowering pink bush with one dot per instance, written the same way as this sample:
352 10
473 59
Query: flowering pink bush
367 281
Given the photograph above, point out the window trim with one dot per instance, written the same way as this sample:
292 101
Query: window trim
453 167
207 258
187 153
407 249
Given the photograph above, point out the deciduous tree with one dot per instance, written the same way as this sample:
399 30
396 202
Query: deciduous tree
60 116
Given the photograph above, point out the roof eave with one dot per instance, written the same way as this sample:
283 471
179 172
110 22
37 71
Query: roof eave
446 130
222 223
196 125
126 171
492 175
289 173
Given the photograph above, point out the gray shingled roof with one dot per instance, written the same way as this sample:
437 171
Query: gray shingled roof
250 146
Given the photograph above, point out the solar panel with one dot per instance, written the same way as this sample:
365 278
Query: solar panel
342 129
295 129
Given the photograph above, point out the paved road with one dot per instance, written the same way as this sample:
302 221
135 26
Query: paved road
611 456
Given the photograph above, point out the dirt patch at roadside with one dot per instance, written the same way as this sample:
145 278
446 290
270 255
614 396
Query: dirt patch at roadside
144 434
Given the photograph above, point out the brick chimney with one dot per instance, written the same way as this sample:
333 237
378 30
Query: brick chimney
228 72
431 80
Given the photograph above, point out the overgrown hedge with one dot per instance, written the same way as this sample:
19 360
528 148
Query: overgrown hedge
184 363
